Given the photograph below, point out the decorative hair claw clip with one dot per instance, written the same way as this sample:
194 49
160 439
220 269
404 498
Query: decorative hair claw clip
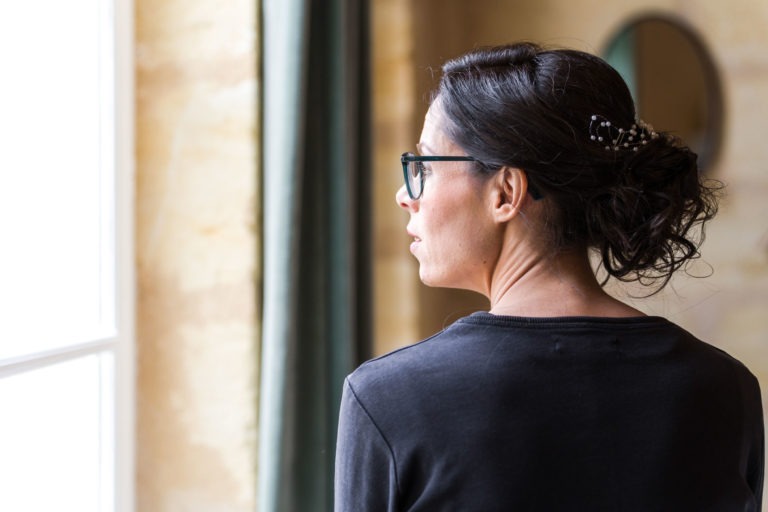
602 131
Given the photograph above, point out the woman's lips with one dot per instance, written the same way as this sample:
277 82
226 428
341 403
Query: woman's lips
416 239
415 243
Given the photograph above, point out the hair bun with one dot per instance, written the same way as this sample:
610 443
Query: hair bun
643 224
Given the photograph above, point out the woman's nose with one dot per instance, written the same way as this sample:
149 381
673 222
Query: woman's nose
404 201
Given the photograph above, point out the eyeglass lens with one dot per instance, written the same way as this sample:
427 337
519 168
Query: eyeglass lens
415 178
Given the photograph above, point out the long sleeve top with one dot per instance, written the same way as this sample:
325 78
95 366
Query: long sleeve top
551 414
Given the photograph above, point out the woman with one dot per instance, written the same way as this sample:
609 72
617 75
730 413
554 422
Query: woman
560 397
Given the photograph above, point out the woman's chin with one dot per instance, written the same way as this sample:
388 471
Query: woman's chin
445 280
432 280
426 277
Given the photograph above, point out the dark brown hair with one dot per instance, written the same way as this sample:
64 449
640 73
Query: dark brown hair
529 107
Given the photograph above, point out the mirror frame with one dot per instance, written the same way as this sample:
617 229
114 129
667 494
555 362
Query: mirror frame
711 148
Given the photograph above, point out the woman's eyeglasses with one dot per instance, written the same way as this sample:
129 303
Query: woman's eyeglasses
413 170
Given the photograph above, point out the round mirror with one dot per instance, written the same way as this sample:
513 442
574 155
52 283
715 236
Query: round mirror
673 81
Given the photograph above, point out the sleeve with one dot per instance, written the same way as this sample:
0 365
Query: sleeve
365 474
756 464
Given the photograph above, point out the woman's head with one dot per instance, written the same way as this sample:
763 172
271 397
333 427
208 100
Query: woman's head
637 201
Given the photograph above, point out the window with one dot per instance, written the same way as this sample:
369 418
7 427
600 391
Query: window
66 289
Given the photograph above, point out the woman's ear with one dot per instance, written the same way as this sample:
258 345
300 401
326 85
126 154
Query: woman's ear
510 189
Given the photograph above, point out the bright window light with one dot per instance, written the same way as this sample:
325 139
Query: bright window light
66 260
49 438
53 170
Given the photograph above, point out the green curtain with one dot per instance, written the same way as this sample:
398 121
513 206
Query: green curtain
316 290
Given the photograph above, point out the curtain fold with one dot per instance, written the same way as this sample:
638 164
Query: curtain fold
316 290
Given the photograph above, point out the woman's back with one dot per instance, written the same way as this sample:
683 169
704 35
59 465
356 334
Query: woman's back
504 413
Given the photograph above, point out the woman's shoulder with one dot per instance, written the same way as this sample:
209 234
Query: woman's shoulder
414 366
471 343
394 364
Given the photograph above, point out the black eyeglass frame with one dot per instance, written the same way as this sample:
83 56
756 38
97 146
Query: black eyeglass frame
407 158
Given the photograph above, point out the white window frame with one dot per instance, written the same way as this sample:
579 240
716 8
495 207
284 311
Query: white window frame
125 381
118 423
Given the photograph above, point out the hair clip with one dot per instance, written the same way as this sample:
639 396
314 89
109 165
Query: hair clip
601 130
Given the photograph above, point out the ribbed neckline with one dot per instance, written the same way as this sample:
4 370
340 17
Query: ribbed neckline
485 318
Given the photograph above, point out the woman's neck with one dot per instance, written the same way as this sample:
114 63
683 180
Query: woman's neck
552 286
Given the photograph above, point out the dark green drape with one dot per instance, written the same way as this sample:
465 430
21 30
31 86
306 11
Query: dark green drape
316 245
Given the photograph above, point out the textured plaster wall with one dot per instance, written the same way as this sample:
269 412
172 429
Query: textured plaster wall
395 101
729 308
197 255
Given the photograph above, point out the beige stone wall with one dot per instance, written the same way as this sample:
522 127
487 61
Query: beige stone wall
394 102
730 308
197 255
